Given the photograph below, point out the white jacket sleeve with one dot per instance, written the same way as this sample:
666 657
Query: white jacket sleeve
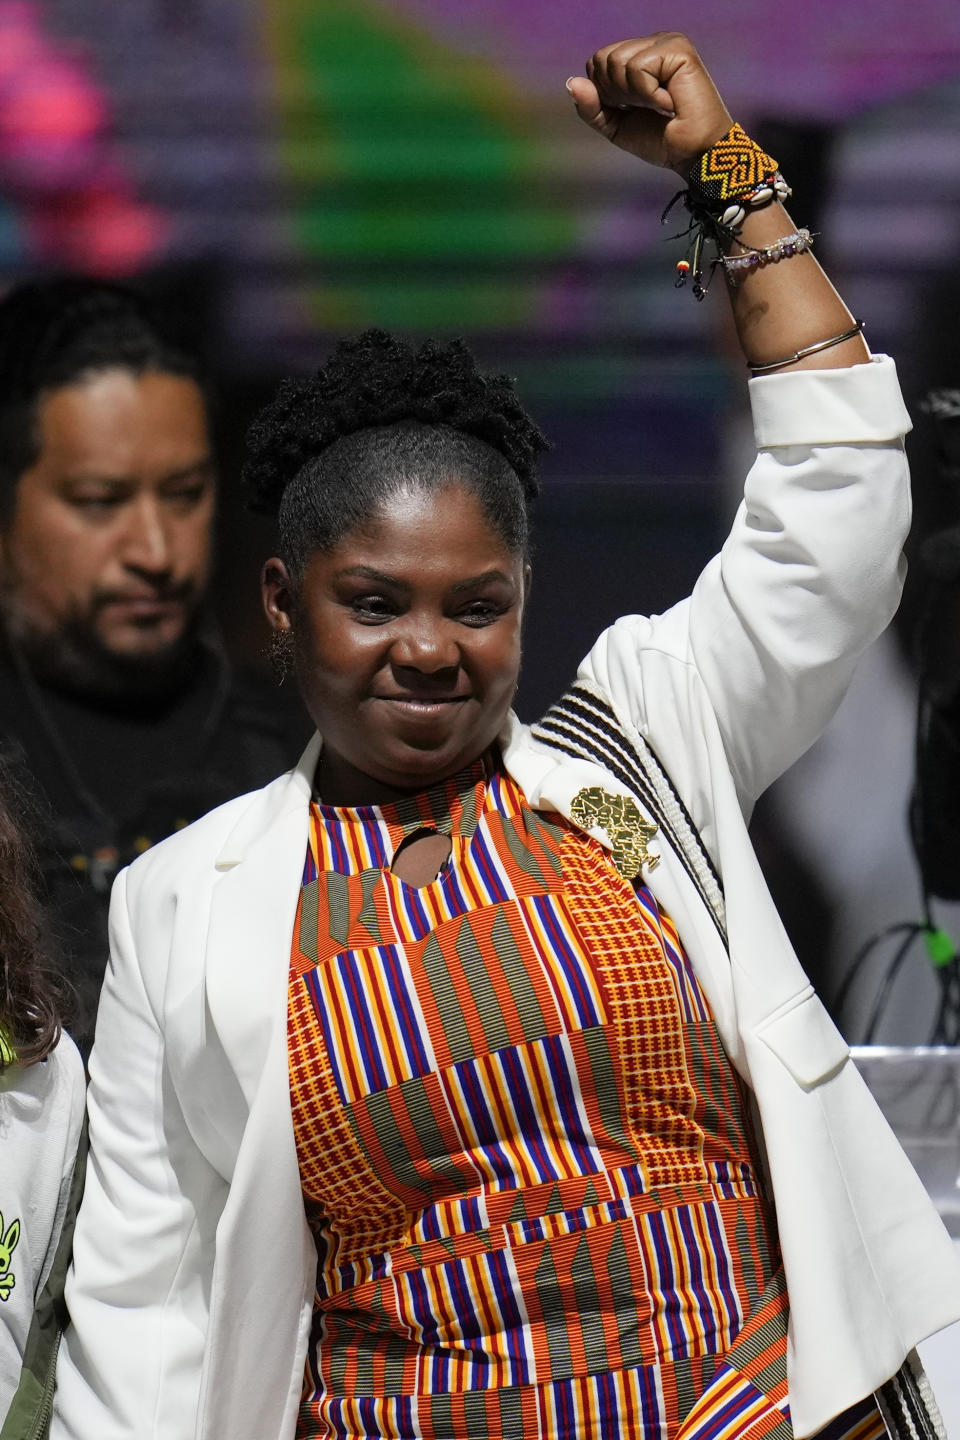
138 1309
810 574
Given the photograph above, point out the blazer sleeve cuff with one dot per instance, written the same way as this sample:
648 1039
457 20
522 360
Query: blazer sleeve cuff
856 405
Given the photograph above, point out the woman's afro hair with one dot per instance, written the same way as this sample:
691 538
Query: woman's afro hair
375 379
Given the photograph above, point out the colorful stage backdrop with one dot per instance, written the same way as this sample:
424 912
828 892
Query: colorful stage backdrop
300 168
416 163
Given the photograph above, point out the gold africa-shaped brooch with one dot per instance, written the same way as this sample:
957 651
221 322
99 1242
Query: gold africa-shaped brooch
626 828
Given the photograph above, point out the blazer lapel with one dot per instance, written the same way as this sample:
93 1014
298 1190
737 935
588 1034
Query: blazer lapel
256 893
252 914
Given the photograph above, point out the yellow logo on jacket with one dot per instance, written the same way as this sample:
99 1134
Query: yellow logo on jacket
8 1243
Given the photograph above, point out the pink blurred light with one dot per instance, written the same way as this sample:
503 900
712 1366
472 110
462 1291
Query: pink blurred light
57 159
98 234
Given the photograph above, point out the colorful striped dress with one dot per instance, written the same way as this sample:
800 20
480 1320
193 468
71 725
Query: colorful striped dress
525 1158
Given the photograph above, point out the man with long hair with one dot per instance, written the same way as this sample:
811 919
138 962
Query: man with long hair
115 692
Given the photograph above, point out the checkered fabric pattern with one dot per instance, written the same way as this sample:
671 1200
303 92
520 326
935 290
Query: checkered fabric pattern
524 1156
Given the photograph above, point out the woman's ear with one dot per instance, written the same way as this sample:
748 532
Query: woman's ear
527 587
276 591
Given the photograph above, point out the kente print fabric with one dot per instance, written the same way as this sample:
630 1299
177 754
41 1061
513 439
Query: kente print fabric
523 1152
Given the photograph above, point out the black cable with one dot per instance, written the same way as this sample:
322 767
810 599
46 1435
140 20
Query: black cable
861 957
946 1025
943 570
887 983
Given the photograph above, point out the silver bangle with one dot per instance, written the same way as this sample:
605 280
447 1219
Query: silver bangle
856 329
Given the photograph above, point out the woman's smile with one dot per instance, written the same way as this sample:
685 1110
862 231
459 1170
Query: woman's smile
408 643
412 705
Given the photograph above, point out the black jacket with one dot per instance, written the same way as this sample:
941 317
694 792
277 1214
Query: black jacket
111 780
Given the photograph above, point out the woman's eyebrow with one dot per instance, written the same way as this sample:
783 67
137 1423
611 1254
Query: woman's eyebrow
367 572
476 580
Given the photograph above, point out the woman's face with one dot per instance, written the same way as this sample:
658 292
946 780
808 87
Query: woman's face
407 641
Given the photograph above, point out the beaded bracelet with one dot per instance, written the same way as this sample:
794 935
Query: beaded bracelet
784 249
774 187
730 169
735 175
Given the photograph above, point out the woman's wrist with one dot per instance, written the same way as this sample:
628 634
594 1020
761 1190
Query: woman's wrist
785 308
788 315
654 98
727 185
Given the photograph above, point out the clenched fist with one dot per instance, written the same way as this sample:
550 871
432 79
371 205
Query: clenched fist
653 97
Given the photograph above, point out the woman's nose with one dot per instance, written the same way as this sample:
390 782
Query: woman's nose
426 644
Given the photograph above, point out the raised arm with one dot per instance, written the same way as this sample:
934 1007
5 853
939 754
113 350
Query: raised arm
654 98
812 568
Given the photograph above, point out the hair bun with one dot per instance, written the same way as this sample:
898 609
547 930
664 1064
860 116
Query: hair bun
377 379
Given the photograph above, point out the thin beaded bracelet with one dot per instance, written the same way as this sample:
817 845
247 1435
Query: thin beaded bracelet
723 183
783 249
814 349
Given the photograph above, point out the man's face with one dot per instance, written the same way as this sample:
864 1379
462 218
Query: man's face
110 533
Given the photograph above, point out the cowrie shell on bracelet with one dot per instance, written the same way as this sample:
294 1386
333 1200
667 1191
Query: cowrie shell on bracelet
733 215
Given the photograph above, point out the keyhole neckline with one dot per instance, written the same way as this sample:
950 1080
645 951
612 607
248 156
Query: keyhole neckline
451 807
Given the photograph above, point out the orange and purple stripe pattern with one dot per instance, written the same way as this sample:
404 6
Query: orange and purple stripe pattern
523 1153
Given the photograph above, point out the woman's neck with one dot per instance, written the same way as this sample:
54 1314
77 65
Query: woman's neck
336 782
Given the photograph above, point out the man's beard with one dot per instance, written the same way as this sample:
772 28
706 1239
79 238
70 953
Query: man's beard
74 659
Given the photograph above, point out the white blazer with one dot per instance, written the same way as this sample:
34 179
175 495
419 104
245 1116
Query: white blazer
194 1269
